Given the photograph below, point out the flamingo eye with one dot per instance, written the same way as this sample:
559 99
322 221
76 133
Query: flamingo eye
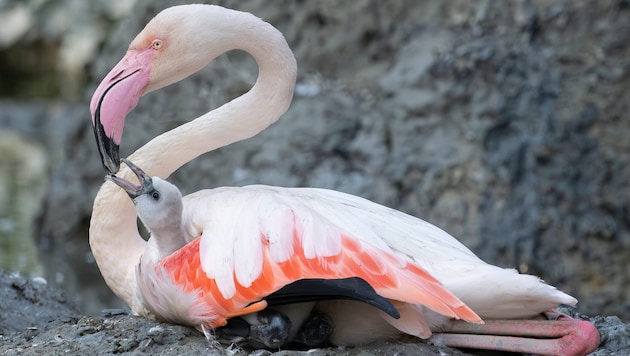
156 44
155 195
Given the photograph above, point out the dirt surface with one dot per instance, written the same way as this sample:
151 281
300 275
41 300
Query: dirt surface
38 319
504 123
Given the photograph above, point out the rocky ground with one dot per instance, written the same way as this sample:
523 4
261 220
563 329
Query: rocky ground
37 319
505 123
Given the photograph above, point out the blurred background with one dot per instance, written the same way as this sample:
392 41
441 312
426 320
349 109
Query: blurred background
504 123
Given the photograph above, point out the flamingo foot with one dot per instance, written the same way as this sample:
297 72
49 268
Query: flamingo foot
563 336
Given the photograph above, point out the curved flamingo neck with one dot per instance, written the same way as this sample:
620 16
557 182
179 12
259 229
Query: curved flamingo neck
114 238
237 120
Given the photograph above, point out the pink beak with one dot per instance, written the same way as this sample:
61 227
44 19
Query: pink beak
114 98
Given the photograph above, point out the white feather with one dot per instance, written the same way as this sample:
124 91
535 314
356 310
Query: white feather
235 221
217 258
247 252
276 221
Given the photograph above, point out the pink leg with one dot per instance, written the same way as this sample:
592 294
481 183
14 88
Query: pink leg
565 336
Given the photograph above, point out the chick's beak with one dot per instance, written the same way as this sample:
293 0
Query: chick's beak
134 191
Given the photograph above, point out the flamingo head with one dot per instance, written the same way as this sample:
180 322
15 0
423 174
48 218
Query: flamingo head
158 202
176 43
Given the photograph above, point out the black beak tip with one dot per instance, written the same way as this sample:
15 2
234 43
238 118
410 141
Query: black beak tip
112 165
107 148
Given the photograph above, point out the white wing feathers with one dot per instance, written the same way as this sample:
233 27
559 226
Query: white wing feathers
386 228
237 222
277 226
492 292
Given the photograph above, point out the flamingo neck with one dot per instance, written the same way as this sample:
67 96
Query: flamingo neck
114 238
237 120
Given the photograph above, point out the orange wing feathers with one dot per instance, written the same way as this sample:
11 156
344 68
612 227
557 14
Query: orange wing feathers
391 276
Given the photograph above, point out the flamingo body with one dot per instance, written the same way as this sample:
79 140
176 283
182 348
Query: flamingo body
247 243
218 253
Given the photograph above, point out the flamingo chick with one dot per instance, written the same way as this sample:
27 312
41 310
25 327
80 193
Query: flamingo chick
245 244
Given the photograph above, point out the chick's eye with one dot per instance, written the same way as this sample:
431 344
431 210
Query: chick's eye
155 195
157 44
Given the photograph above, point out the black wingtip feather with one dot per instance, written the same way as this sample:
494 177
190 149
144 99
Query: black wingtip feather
309 290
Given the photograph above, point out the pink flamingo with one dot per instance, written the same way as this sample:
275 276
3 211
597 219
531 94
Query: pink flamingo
238 246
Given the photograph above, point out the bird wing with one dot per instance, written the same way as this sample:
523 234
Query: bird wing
389 229
492 292
257 239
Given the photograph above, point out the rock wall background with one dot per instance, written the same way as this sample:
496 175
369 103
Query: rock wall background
504 123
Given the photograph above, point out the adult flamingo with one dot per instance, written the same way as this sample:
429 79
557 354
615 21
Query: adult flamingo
392 246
